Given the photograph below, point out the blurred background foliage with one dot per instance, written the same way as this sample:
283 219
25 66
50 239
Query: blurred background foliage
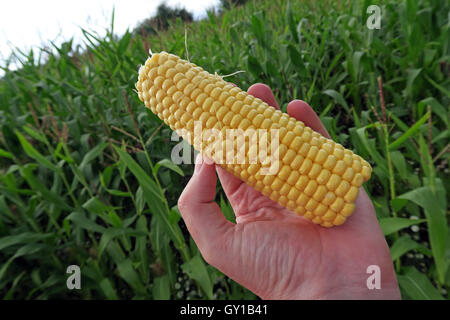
85 170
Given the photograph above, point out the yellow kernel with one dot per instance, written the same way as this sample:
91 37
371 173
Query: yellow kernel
211 122
288 138
348 209
300 211
215 92
235 121
311 205
314 141
301 183
182 84
310 188
258 120
320 210
306 166
317 219
231 101
283 121
351 194
302 200
342 188
338 153
304 149
243 109
227 119
328 147
340 167
266 124
284 173
268 179
293 177
330 162
348 159
306 136
320 193
289 156
312 152
329 216
167 102
296 143
339 220
308 215
221 113
276 116
297 162
333 182
366 171
277 184
356 165
323 176
321 156
266 191
285 189
348 174
315 170
337 205
293 194
358 179
207 103
298 129
291 205
327 224
329 198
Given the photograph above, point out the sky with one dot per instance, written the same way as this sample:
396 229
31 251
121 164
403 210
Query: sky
31 24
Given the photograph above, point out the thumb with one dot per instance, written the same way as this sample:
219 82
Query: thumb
202 216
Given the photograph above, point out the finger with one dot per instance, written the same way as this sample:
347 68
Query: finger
202 215
263 92
301 111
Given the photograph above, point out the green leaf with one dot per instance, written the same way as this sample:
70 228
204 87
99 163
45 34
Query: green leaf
33 133
410 132
161 288
144 180
417 286
434 204
402 245
296 58
94 205
6 154
80 220
227 210
108 289
27 249
92 154
22 238
169 165
115 232
338 97
33 153
127 273
196 269
391 225
254 67
40 188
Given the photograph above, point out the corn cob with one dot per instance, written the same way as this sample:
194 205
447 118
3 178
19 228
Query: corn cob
317 178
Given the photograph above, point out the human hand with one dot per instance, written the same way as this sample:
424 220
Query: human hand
277 254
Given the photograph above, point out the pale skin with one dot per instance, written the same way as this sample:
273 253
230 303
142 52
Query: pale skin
277 254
